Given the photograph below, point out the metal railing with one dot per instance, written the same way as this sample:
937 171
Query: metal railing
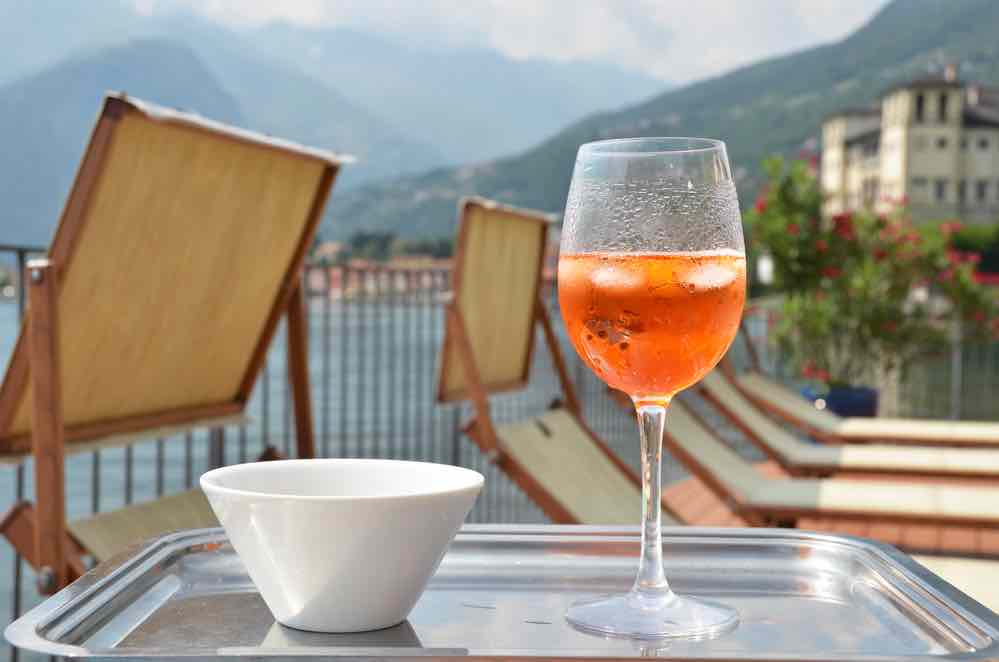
374 338
961 382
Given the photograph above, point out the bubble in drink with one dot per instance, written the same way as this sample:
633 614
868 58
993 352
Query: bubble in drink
652 324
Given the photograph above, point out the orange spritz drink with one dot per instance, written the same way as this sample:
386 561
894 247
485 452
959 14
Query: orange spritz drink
652 324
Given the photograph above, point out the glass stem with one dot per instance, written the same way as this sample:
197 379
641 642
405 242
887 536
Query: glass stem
651 584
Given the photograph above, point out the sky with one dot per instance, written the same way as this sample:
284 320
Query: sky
673 40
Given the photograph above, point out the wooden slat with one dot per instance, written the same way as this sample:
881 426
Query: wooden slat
47 431
97 432
298 372
568 389
465 360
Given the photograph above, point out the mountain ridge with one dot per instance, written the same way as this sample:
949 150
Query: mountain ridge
771 106
45 122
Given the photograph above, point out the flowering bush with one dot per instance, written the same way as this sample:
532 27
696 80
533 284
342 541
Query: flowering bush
862 291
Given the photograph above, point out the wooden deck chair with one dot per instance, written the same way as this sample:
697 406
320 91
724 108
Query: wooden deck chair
766 501
555 458
179 248
824 425
802 458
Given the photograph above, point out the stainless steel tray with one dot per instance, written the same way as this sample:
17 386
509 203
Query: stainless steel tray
501 592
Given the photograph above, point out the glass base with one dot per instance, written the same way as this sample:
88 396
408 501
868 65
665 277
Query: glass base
658 616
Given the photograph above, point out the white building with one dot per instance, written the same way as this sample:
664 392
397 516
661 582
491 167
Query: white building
933 141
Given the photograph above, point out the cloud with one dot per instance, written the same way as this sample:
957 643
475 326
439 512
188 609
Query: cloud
675 40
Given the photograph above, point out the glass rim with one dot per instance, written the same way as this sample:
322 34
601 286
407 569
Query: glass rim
658 146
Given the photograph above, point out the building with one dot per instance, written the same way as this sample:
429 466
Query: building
932 141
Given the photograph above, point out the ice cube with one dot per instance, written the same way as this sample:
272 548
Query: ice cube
710 276
612 279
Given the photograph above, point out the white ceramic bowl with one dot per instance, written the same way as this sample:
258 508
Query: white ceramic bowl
341 545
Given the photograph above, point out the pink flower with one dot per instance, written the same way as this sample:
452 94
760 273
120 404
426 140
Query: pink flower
890 326
950 227
843 226
832 272
880 254
979 316
761 205
946 275
821 245
793 229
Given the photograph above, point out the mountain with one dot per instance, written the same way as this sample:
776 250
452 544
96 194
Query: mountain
772 106
468 104
279 99
42 32
472 103
45 121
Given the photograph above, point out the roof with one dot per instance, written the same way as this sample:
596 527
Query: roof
934 81
854 111
980 117
870 138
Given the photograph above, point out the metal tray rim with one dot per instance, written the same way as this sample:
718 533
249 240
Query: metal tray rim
69 606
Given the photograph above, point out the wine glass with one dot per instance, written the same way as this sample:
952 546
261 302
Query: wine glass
651 282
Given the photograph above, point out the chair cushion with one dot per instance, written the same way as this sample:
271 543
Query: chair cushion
106 534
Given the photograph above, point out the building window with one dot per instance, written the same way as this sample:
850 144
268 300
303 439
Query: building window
964 143
941 142
918 182
981 189
920 107
943 107
962 191
940 189
983 143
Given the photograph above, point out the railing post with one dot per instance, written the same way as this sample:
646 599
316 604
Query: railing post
956 371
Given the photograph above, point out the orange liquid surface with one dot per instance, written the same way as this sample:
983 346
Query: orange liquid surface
652 324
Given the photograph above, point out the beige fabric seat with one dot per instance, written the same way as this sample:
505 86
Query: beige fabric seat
106 534
767 500
562 456
826 425
799 456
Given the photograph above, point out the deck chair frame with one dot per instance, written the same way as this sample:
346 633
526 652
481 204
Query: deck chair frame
849 434
457 346
38 531
782 516
972 468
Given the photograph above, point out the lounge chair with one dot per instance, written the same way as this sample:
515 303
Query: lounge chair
768 502
802 458
179 249
555 458
824 425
